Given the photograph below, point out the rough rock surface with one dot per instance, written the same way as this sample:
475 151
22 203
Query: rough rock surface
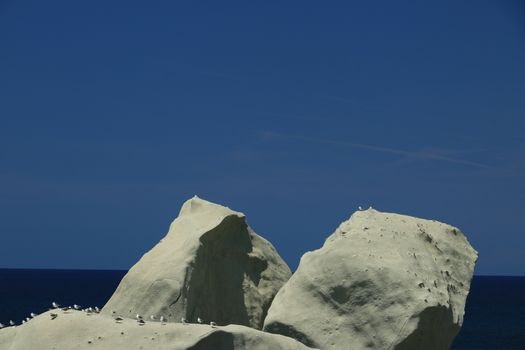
76 330
380 281
211 265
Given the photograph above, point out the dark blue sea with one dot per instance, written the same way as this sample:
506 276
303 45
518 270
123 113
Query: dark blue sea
494 319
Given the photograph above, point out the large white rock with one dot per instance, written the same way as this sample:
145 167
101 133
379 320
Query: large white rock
381 281
211 265
76 330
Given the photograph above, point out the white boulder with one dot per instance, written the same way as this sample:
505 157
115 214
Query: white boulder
380 281
211 265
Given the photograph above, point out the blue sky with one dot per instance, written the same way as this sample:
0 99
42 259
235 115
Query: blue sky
114 113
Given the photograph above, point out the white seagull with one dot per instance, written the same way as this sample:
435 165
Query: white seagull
183 320
55 305
199 320
1 326
360 207
213 324
11 323
138 317
33 314
76 307
162 319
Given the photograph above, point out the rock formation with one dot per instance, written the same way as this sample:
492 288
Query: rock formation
380 281
76 330
211 265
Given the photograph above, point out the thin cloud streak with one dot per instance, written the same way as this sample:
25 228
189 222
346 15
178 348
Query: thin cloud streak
420 154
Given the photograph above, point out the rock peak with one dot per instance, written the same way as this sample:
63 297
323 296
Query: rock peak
197 206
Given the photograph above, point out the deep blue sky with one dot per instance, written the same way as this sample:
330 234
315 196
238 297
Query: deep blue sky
113 113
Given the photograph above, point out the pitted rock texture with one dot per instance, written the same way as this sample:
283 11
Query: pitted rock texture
380 281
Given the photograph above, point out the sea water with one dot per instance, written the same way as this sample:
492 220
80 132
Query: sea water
494 315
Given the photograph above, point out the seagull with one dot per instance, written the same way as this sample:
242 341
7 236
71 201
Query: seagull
213 324
11 323
53 316
162 319
55 305
138 317
33 314
360 207
76 307
199 320
183 320
1 326
152 317
28 319
118 319
23 321
97 310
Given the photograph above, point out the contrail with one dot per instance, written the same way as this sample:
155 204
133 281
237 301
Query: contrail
420 155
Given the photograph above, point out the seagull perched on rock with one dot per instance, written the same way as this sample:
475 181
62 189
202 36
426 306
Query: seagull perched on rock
360 207
152 317
199 320
11 323
138 317
76 307
162 319
55 305
1 326
183 320
28 319
213 324
33 314
97 310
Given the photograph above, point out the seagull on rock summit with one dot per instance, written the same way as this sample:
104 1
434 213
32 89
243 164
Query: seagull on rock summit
183 320
199 320
11 323
55 305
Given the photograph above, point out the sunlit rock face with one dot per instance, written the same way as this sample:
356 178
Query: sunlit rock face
80 331
380 281
211 265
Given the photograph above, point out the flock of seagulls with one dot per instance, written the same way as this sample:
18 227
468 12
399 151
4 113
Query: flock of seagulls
55 306
95 310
